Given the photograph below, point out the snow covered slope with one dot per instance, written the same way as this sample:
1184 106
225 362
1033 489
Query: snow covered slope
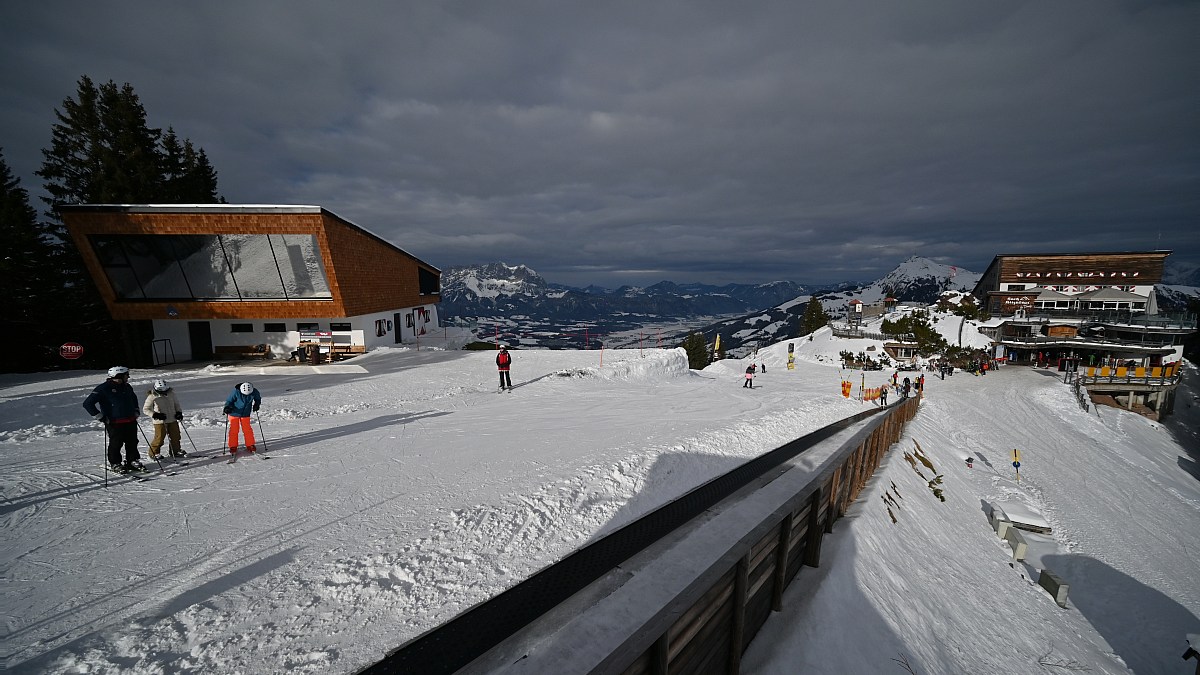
404 490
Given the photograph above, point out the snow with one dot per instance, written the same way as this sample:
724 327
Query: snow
403 488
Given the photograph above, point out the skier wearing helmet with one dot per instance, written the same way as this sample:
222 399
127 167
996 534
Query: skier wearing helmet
114 404
241 402
503 362
162 406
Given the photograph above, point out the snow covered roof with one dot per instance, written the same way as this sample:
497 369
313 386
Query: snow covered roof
1111 294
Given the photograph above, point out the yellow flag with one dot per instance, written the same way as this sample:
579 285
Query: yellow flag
717 345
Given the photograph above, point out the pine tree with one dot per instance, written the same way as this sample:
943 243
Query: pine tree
696 347
814 317
29 254
102 151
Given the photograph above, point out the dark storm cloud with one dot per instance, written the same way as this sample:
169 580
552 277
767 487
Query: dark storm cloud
631 142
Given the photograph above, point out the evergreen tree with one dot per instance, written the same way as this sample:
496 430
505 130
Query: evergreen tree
29 258
696 347
102 151
815 317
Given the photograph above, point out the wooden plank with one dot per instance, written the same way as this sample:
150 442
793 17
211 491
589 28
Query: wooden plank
695 620
812 548
781 563
737 633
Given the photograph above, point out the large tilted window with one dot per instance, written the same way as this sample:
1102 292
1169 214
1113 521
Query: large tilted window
213 267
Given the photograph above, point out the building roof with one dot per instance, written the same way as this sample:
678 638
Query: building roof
1050 294
1111 294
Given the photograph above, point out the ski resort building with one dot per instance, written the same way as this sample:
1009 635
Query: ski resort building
250 280
1091 313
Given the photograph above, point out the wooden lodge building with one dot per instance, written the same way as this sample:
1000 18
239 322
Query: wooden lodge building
1092 312
252 280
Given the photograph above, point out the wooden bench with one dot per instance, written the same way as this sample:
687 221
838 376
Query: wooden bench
347 351
244 351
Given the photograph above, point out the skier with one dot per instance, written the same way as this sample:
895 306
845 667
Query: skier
904 393
115 405
896 378
503 361
162 406
749 376
921 384
244 400
883 390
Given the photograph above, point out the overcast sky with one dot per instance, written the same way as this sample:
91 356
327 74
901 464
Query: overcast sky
630 142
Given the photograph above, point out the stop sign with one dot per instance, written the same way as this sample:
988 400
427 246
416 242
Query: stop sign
71 350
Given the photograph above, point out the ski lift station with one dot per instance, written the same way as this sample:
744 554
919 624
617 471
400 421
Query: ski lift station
252 280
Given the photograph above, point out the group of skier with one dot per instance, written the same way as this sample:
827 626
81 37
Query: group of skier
114 404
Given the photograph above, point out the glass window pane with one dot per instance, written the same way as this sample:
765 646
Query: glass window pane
154 264
124 284
204 265
253 266
300 264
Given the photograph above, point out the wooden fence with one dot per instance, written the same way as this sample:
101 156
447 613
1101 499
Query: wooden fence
692 602
721 619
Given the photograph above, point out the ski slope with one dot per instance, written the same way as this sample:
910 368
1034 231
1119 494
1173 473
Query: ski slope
402 488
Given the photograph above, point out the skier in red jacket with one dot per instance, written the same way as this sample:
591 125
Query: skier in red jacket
503 361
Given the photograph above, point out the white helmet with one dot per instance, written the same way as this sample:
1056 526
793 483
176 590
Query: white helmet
117 370
246 388
161 385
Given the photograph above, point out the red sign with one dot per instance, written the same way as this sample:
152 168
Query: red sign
71 350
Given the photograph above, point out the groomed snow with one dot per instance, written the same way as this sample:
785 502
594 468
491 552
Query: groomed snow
404 489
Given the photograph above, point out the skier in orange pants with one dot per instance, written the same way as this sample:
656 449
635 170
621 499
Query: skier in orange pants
244 400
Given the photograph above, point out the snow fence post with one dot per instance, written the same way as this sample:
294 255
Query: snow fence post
1055 586
1014 539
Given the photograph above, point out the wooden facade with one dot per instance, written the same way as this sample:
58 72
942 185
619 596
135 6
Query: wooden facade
366 274
1012 282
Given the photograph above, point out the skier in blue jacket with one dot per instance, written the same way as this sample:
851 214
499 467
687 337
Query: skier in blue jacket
244 400
114 404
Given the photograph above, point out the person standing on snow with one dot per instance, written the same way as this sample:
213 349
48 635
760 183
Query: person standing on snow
115 405
503 362
883 389
244 400
749 376
162 406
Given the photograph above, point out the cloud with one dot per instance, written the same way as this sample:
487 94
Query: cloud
740 143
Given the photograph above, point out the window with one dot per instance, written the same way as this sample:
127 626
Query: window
427 282
274 328
339 326
213 267
308 326
241 327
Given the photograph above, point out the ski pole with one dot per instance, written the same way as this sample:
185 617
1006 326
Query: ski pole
147 439
189 437
105 455
225 438
260 431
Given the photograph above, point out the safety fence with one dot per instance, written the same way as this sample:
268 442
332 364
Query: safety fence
1157 375
708 624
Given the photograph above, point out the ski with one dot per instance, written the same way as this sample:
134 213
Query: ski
132 475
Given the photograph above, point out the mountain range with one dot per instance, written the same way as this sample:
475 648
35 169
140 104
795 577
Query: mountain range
516 304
